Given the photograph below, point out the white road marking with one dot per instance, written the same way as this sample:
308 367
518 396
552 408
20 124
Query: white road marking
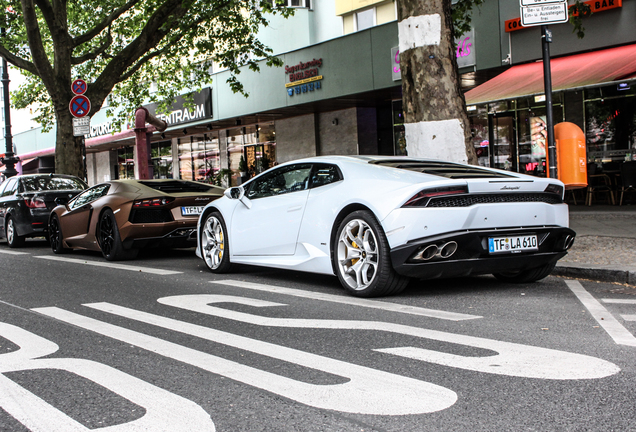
511 359
365 390
165 411
354 301
629 317
619 301
605 319
111 265
10 252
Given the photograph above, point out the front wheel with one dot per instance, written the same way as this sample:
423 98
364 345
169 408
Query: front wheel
109 239
214 244
56 239
13 239
361 257
527 276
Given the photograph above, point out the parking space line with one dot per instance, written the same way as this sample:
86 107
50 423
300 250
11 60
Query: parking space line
604 318
10 252
619 301
354 301
111 265
629 317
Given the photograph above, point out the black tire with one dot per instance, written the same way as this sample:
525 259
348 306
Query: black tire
365 269
526 276
109 240
56 239
214 243
13 239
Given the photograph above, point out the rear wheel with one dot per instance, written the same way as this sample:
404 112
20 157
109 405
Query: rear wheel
13 239
56 239
110 241
362 260
214 245
526 276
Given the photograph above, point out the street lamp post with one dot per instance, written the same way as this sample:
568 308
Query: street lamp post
9 158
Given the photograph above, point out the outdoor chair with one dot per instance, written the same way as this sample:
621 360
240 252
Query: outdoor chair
628 178
598 182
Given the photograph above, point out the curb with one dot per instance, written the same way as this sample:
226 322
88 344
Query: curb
598 274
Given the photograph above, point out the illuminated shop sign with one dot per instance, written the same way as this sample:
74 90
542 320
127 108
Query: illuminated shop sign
182 113
304 77
465 54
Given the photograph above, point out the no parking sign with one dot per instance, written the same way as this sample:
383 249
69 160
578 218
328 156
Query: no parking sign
80 105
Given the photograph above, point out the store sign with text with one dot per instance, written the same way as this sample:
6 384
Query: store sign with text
303 77
182 112
464 52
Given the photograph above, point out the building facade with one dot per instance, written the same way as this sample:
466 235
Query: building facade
339 92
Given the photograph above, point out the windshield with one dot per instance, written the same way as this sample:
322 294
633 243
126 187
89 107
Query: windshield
48 183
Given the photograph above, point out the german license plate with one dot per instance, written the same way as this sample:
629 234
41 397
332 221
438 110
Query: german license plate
191 210
512 244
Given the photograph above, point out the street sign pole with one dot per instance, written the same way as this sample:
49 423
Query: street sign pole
546 38
544 12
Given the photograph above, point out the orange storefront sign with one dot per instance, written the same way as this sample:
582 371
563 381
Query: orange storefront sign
595 6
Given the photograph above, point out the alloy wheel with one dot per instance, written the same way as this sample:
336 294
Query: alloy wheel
54 234
358 254
106 235
10 231
213 242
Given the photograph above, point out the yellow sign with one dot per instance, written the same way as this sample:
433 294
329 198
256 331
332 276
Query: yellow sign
305 81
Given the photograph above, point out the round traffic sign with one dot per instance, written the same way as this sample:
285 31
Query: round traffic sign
79 86
79 106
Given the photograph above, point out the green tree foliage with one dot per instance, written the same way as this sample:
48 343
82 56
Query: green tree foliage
136 51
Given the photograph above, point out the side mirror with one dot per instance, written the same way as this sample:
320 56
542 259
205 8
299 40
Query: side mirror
61 201
234 193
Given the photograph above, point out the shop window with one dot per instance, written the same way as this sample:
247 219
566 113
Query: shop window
479 134
610 124
251 150
161 154
199 158
399 136
125 163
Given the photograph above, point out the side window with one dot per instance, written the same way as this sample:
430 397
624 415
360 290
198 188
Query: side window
325 174
88 196
10 188
284 180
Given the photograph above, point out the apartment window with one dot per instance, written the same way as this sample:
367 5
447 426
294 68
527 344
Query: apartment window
293 3
365 19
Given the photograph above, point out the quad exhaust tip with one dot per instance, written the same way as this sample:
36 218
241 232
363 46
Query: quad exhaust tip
433 251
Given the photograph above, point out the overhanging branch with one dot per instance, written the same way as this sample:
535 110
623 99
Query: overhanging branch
79 40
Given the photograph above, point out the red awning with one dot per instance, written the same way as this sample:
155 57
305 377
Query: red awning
575 71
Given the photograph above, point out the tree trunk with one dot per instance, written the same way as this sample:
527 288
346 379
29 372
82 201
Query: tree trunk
436 120
68 148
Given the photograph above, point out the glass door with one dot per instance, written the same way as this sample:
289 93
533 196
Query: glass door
502 141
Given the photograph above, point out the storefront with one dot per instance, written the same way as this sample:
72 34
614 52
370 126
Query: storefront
596 91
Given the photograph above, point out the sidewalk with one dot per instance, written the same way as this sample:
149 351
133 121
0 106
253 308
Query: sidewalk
605 245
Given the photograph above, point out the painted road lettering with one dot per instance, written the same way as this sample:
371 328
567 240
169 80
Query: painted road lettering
165 411
512 359
365 391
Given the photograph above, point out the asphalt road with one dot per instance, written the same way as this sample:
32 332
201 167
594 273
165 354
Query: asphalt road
160 343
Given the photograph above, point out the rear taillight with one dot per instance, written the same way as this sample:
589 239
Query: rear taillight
35 203
421 198
555 189
152 202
